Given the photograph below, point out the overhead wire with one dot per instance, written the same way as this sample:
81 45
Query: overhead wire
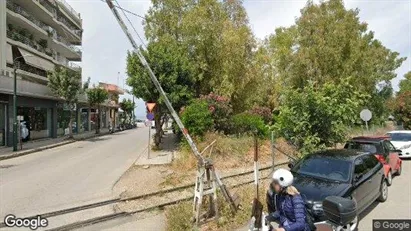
132 26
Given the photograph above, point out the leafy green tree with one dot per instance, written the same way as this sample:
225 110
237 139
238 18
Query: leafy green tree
405 84
402 108
328 44
250 124
97 96
66 84
127 106
314 118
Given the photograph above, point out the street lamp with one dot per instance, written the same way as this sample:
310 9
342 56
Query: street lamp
15 103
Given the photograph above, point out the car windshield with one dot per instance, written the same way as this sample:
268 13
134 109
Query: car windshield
365 147
404 137
326 168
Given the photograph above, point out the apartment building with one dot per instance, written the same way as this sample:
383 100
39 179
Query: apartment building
36 36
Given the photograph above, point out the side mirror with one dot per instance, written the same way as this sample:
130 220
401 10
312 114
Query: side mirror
398 150
291 165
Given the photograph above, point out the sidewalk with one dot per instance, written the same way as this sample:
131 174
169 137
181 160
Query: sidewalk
40 145
164 156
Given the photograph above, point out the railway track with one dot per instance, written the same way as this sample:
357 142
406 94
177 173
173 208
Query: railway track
89 214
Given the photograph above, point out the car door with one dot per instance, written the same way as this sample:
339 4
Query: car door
376 175
361 187
393 158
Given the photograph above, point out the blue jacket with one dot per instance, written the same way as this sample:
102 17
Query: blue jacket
290 212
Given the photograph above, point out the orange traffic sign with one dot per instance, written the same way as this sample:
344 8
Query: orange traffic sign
150 106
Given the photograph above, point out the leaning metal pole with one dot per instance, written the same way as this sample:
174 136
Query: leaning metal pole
157 84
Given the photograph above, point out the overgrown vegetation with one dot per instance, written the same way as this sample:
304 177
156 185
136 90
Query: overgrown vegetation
309 75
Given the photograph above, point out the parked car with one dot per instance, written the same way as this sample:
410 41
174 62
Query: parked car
346 173
383 149
401 141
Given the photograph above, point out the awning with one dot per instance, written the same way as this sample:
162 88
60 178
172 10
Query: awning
9 54
36 61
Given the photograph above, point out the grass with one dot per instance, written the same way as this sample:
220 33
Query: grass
179 217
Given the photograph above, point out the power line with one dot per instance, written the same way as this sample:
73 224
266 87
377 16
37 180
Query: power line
132 26
130 12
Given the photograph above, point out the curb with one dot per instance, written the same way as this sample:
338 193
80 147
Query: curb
39 149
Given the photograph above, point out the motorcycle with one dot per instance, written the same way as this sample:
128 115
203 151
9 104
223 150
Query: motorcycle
339 211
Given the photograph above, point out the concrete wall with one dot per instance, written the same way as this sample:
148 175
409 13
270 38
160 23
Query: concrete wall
3 26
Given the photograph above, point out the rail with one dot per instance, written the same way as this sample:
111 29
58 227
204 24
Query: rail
143 197
71 10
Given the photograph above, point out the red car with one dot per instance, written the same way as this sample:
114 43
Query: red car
382 148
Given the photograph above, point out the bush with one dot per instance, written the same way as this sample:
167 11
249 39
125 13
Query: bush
196 117
264 112
247 123
221 111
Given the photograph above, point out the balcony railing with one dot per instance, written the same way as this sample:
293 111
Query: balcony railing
23 39
22 66
69 25
19 10
64 62
73 12
48 7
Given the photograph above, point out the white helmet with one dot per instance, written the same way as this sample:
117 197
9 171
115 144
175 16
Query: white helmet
283 177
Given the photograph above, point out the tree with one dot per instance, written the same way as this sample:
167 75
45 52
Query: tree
66 84
402 108
328 44
96 96
405 84
314 118
127 106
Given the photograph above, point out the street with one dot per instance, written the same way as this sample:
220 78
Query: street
68 176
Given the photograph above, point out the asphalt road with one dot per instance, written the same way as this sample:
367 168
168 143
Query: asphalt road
398 205
68 176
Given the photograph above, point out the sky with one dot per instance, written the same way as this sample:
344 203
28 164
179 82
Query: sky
105 45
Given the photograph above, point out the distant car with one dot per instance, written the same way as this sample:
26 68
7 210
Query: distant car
383 149
401 141
346 173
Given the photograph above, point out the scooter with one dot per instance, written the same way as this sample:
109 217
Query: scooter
339 211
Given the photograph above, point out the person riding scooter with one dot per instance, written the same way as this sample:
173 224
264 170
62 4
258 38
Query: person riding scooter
285 204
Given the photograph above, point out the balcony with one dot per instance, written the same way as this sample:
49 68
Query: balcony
48 7
72 28
64 62
19 10
70 10
27 39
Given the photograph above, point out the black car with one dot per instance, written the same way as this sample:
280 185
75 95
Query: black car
346 173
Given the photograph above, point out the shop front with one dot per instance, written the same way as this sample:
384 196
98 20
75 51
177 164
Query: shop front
37 120
3 123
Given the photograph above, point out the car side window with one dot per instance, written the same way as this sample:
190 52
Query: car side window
359 168
370 162
391 146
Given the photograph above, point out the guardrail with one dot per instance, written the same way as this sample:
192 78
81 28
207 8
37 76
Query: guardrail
71 10
21 11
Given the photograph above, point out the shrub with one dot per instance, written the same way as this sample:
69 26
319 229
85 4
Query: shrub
197 118
247 123
221 111
264 112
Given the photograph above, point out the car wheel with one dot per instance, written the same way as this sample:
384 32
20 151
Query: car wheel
398 173
389 178
353 226
383 191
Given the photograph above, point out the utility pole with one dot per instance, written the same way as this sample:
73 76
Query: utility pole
15 102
